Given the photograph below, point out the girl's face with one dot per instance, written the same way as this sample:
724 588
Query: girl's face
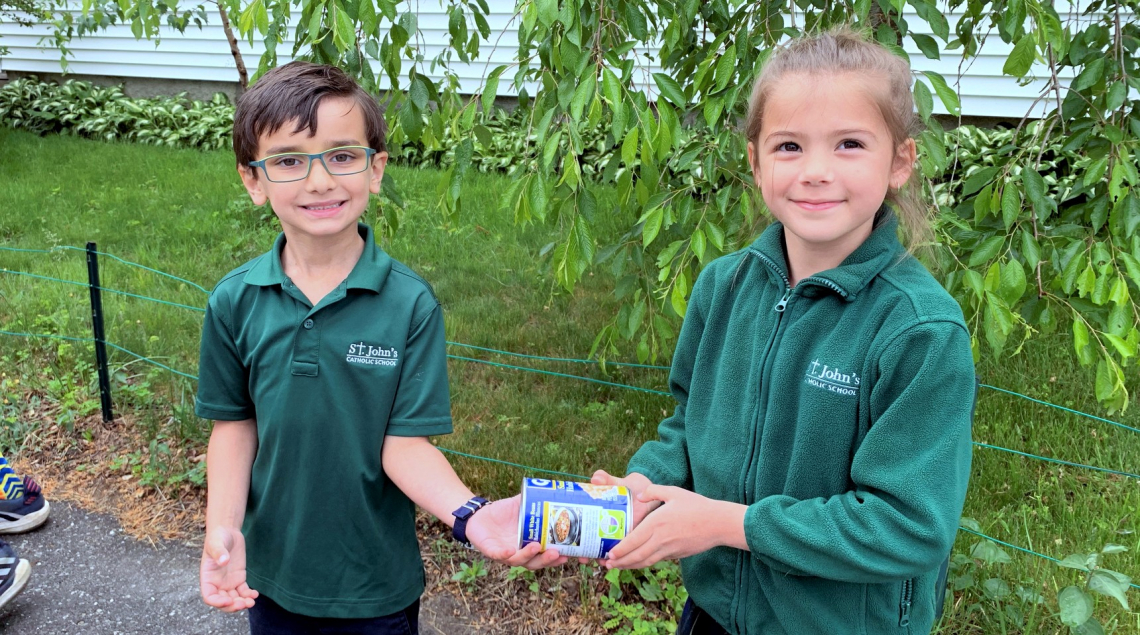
823 162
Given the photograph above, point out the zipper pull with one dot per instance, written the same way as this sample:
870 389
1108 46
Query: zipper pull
783 303
904 617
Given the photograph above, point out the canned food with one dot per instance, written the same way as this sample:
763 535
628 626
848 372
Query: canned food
578 519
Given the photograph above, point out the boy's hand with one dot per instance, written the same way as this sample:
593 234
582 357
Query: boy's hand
493 530
686 524
222 575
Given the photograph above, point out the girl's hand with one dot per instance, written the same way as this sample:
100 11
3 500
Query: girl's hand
636 484
686 524
222 574
493 530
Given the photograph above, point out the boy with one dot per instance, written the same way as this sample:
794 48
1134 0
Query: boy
324 368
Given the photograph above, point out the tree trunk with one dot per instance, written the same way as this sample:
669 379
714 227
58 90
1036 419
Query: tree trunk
243 76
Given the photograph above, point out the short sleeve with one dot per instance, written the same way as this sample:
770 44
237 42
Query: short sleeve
223 379
422 405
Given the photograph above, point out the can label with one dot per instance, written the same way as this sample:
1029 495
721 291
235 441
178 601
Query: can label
578 519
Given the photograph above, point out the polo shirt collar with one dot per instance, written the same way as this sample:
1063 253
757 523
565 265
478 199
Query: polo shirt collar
369 273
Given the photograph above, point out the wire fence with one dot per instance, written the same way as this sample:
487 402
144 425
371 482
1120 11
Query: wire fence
538 358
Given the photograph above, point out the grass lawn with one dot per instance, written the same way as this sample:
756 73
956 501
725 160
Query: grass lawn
184 212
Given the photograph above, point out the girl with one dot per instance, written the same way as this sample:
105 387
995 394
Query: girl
813 472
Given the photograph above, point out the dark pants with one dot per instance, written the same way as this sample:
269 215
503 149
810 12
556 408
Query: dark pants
695 621
268 618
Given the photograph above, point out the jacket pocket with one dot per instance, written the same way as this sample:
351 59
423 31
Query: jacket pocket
905 601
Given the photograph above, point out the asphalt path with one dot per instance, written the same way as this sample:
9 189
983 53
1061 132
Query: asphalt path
90 578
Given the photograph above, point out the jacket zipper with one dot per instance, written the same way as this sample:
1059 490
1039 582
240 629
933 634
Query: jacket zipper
904 605
779 309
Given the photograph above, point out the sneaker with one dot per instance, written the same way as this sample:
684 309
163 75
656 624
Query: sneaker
25 513
14 573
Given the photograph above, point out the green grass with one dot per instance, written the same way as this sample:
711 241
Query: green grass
184 212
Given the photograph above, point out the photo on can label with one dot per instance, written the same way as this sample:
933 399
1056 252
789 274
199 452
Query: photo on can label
565 525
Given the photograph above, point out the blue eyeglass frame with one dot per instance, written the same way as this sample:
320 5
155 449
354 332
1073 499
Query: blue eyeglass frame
320 156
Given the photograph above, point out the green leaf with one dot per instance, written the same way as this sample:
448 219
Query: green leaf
1076 561
1022 56
1076 606
551 149
344 33
629 147
995 588
927 45
369 20
1081 342
491 89
977 180
1114 548
1010 205
1121 345
409 23
1034 188
1012 282
989 553
670 89
986 251
677 297
923 100
1086 281
948 96
1116 95
697 244
611 87
1092 73
1105 381
547 11
418 93
715 234
1090 627
724 67
1030 250
652 225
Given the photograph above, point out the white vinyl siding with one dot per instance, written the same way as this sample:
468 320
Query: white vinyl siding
203 54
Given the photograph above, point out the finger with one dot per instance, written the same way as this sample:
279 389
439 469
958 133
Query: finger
523 556
656 493
548 558
632 542
246 592
216 549
645 555
601 477
217 600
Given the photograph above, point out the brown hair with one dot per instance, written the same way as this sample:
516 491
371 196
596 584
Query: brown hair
293 92
845 50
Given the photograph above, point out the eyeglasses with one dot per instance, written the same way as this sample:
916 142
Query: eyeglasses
295 166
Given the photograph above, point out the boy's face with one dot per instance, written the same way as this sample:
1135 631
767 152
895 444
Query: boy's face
320 204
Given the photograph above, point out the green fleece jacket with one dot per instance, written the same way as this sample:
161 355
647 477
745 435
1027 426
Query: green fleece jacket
839 412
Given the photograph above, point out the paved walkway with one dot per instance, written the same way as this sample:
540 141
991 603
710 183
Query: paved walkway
89 578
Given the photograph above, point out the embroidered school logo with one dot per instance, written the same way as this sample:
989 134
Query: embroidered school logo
371 355
832 379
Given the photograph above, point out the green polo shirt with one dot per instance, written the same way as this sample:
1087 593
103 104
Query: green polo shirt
327 534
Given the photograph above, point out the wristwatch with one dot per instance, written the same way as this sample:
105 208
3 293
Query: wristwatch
462 515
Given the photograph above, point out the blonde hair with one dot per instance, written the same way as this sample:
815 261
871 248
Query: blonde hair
844 50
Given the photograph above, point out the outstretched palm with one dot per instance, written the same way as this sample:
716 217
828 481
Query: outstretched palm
222 573
494 532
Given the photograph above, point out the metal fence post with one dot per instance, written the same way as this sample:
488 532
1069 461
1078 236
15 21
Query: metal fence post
97 326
